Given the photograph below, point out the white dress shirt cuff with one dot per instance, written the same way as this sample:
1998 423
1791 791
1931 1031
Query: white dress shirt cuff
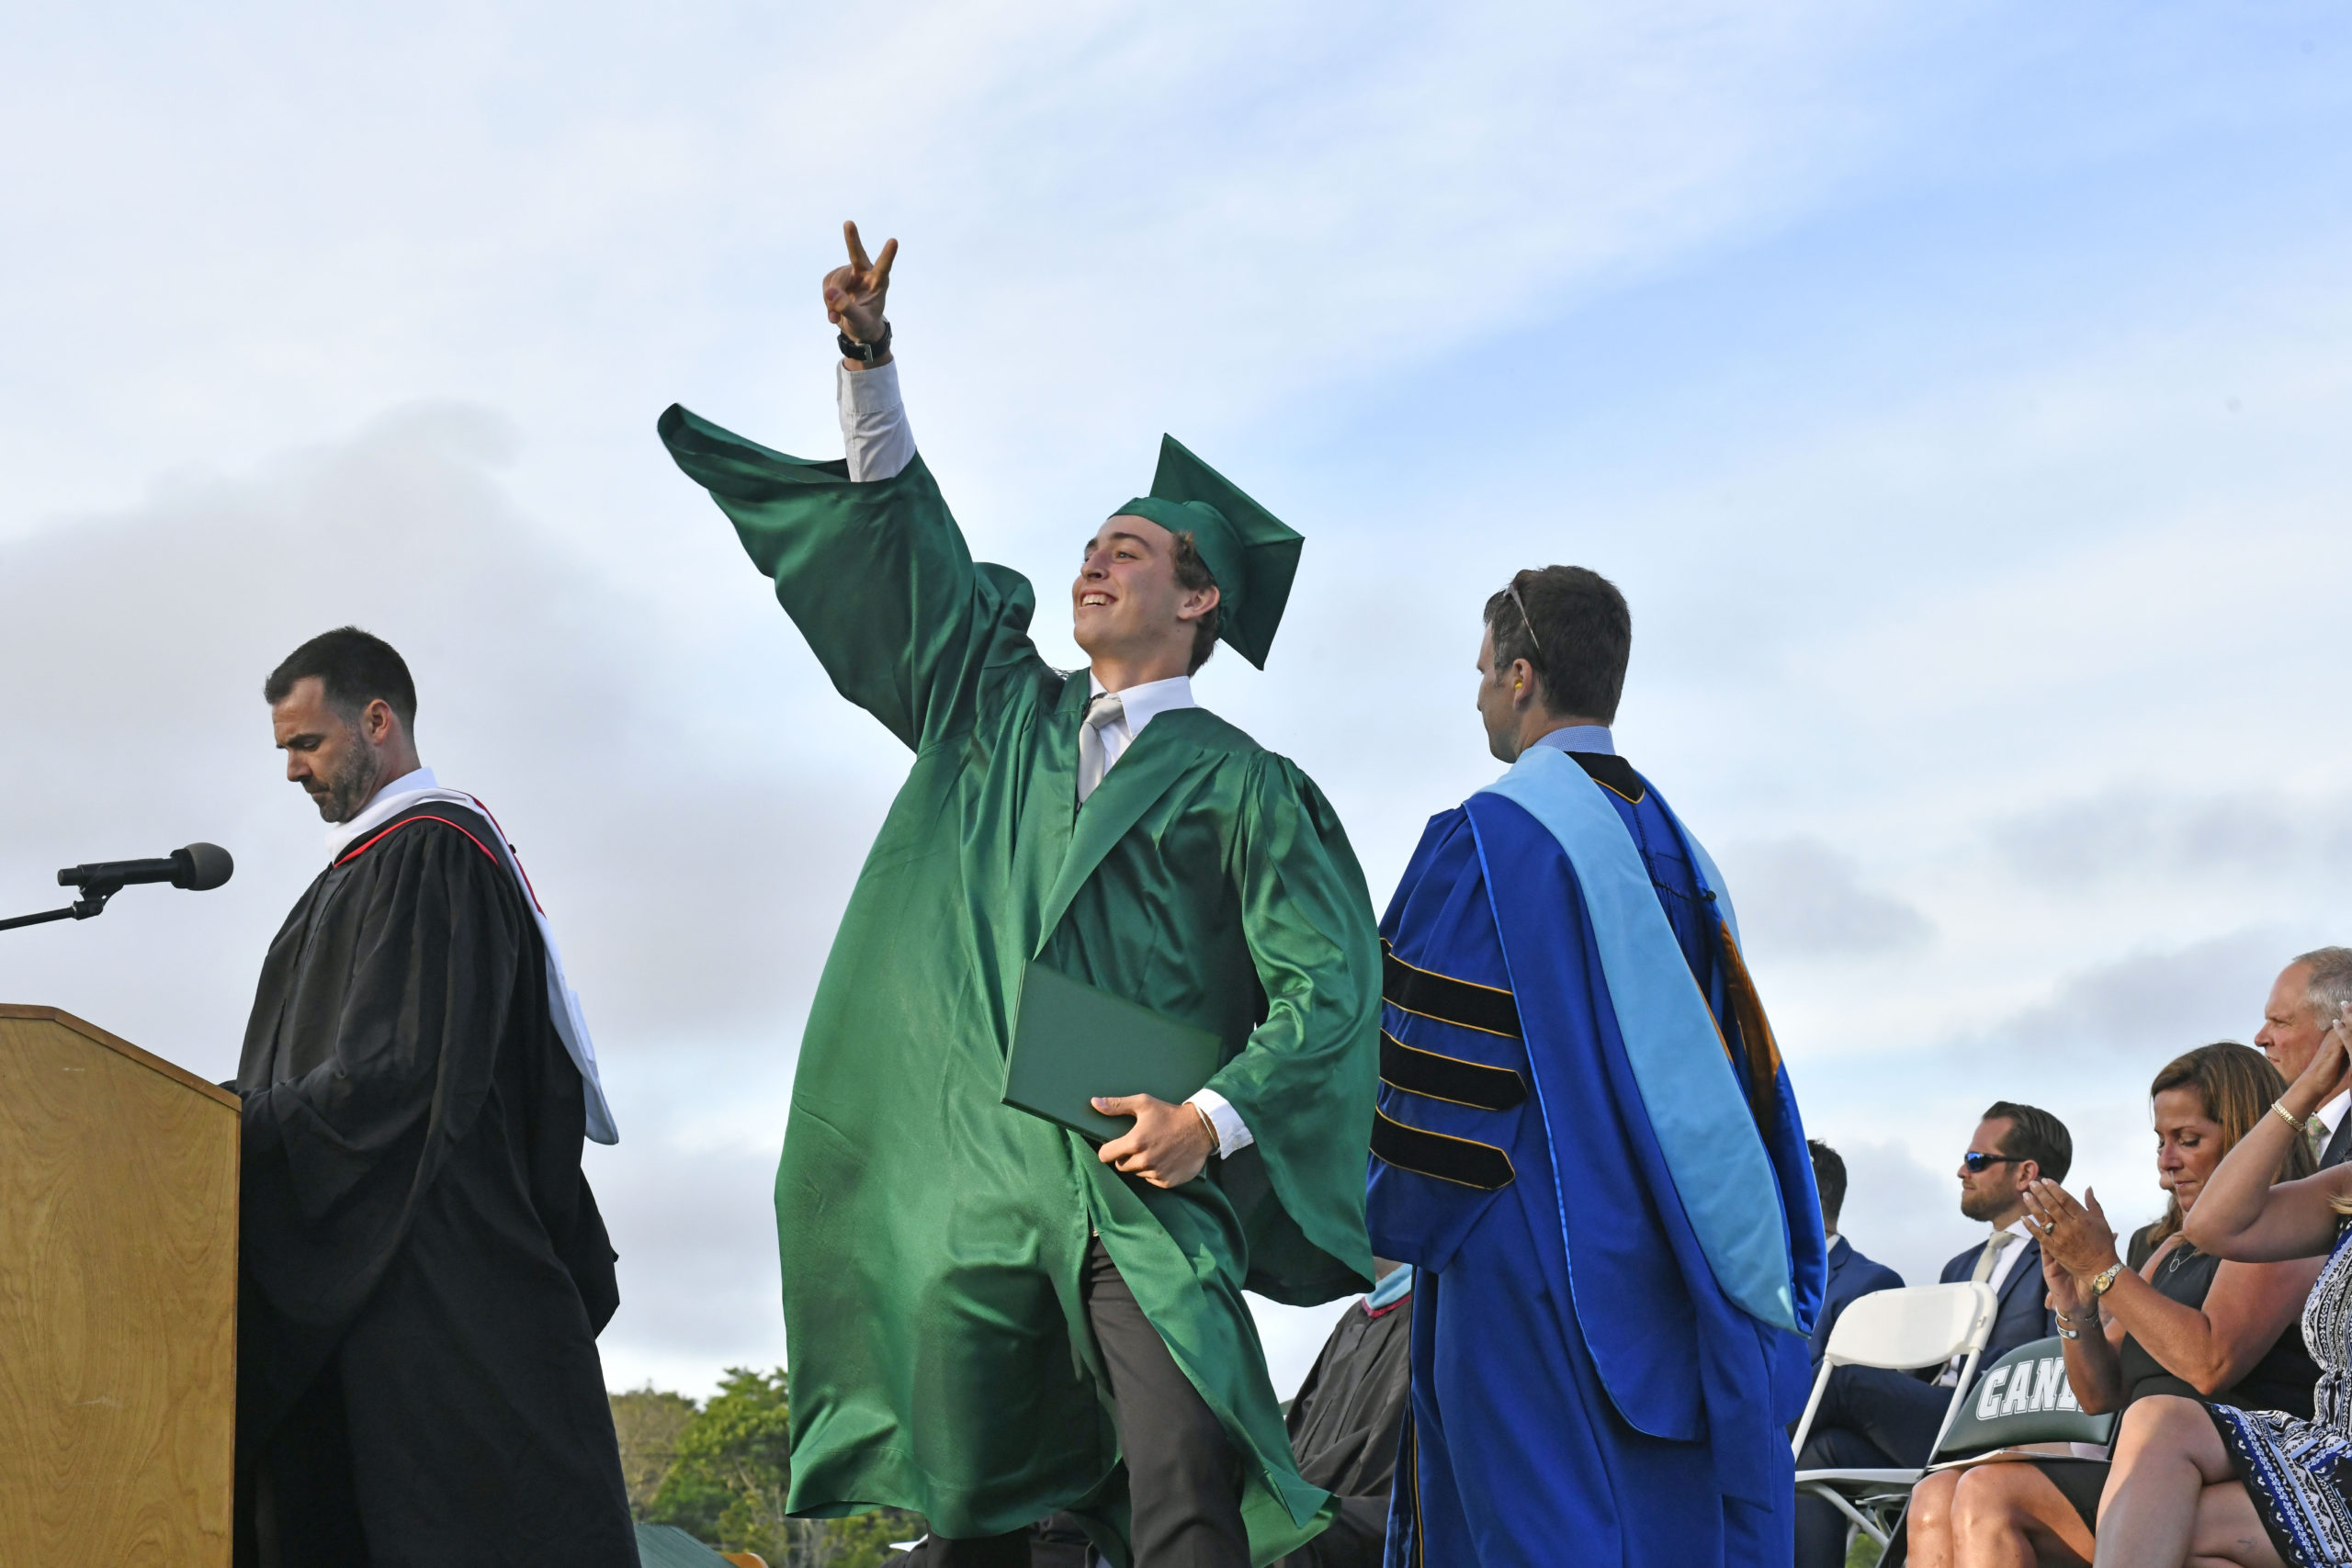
1233 1134
875 432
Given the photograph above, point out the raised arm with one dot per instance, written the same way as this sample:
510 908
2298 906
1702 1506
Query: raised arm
875 434
2240 1214
873 571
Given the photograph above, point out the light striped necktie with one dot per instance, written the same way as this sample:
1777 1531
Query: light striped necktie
1991 1254
1092 758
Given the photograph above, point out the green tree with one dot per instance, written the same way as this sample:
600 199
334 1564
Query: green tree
863 1541
733 1471
647 1422
733 1468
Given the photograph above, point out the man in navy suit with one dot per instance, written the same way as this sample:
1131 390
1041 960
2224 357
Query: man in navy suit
1850 1273
1874 1420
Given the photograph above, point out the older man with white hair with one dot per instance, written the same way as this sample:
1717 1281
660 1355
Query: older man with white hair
2310 994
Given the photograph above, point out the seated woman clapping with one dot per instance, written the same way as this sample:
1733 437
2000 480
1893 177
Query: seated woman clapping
2214 1482
2171 1321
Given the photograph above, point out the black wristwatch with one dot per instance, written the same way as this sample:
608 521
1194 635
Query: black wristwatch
866 353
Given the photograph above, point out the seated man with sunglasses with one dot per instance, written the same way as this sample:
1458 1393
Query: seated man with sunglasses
1873 1419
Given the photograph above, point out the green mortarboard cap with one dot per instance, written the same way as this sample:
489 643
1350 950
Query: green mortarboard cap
1249 551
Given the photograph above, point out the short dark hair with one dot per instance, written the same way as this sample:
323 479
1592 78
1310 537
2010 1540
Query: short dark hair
1192 575
1576 633
2034 1134
356 667
1828 1179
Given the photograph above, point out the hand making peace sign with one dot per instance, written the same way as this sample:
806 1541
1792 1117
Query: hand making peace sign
853 294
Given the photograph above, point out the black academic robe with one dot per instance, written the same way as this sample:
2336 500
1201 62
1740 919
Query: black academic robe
426 1271
1344 1427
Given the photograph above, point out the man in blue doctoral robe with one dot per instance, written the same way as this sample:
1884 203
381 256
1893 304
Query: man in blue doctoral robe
1588 1148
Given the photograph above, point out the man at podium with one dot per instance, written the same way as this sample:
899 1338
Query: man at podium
424 1270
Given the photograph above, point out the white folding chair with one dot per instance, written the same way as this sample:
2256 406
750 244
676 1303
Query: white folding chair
1924 1326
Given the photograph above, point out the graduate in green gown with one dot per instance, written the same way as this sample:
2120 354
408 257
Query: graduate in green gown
989 1318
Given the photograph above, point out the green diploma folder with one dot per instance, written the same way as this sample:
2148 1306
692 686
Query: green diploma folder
1072 1041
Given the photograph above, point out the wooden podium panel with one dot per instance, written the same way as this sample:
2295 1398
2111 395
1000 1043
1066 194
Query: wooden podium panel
117 1302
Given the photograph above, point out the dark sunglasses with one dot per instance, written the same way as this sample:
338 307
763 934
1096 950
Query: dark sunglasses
1978 1164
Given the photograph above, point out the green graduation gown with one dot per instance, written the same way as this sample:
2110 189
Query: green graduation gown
932 1237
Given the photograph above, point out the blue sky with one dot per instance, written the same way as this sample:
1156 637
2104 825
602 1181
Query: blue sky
1957 393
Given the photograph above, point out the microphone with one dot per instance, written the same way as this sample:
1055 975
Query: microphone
199 868
195 867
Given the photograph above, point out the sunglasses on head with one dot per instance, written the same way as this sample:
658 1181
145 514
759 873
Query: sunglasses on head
1978 1162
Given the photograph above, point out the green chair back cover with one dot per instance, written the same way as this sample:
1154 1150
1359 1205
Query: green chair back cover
2023 1398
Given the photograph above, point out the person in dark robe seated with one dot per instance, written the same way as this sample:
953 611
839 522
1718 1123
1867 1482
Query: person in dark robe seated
1851 1275
424 1270
1345 1420
2184 1323
1874 1419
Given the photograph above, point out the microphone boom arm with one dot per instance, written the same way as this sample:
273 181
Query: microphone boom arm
198 868
92 902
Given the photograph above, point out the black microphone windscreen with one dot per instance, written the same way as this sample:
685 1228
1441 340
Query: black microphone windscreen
208 867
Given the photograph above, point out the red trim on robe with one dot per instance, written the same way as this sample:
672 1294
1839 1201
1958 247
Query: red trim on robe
501 829
354 854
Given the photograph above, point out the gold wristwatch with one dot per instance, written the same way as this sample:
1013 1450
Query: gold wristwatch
2105 1278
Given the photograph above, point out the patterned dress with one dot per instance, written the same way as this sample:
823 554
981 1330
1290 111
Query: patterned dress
2300 1472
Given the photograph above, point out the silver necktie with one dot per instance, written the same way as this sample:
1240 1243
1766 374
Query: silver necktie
1985 1260
1091 760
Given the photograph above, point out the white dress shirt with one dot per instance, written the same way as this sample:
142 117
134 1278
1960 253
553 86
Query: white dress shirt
1579 737
1143 703
880 444
875 432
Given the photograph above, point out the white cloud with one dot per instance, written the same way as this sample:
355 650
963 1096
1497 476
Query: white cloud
1957 396
2166 1001
1803 897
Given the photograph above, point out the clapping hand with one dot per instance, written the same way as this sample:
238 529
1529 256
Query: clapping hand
2077 1235
854 294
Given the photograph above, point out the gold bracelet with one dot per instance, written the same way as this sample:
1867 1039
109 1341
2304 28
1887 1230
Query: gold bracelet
2304 1126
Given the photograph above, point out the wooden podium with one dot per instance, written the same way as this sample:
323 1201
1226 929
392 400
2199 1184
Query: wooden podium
117 1302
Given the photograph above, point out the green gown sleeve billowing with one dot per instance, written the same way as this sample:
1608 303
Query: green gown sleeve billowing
932 1237
875 575
1305 1081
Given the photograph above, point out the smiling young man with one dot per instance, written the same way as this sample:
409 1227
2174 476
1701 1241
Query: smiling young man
1587 1148
989 1318
426 1271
